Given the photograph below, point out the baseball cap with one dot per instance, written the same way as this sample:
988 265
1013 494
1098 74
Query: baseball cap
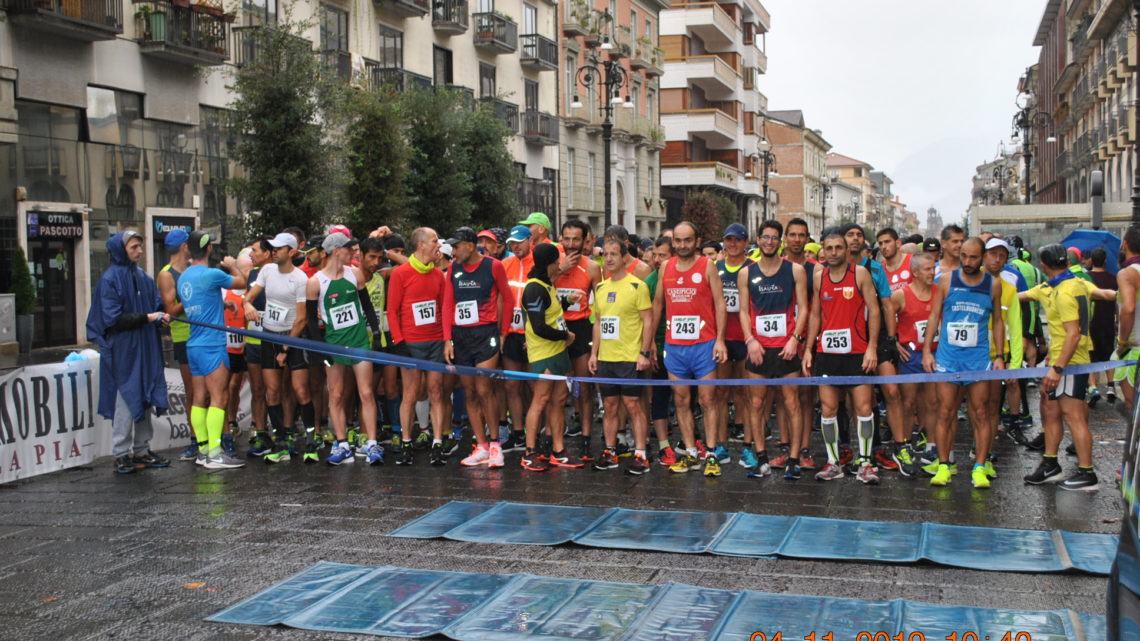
175 238
736 230
314 243
341 229
537 218
1076 251
519 233
931 244
487 233
813 247
462 235
284 239
446 249
996 242
199 239
336 240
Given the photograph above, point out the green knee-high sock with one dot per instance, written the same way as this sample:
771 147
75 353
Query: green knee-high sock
198 424
215 422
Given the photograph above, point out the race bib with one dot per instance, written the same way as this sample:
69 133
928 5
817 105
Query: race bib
561 324
467 312
920 327
772 325
685 328
276 313
732 300
962 334
234 341
256 325
836 341
424 312
518 320
611 327
343 316
566 293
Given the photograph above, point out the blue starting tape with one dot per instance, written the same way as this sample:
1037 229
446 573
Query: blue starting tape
384 358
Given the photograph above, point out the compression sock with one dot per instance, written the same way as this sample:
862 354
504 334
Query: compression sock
215 421
866 436
198 425
422 409
829 427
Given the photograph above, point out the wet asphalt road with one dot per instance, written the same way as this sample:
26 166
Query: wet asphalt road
86 554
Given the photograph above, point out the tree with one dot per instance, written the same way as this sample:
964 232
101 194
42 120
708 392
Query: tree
283 100
438 167
492 169
710 213
22 284
376 162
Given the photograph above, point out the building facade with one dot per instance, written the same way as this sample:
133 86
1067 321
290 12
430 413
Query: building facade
711 104
857 174
801 179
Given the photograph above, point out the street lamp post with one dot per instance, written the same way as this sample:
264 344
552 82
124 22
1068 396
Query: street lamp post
999 176
612 76
1023 121
825 188
767 161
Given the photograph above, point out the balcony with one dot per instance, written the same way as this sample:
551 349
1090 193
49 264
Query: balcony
705 20
713 75
398 80
467 92
247 41
450 16
647 57
538 52
508 112
496 33
717 128
540 128
86 20
701 173
192 35
754 56
406 8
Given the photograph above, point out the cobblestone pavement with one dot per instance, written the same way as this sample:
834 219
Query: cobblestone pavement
86 554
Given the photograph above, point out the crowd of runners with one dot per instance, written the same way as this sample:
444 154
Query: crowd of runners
680 307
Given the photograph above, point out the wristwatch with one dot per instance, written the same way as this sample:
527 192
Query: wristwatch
1058 369
800 338
647 354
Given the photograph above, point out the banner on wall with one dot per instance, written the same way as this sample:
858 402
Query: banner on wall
49 419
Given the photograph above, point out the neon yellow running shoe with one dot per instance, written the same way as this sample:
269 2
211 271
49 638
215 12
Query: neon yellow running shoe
990 471
942 477
979 478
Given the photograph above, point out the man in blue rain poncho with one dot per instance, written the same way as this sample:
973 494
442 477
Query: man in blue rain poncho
123 321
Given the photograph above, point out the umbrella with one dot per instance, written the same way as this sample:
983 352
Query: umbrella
1087 240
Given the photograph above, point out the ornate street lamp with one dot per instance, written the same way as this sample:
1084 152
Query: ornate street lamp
767 159
1023 121
612 77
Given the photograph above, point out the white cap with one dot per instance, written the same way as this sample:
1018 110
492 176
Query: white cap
445 249
998 242
284 240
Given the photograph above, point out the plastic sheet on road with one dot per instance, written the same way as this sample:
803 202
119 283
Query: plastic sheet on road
761 535
393 601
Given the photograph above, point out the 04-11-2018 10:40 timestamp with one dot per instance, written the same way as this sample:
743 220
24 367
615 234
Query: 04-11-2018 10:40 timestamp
900 636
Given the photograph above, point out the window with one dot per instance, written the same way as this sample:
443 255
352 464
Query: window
633 23
391 48
486 6
635 96
613 14
259 12
334 29
486 80
649 108
530 19
648 33
441 66
570 177
571 72
591 186
651 193
530 94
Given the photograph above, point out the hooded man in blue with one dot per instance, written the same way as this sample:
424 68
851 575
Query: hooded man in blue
123 321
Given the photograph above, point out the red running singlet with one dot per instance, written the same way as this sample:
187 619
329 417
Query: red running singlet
689 309
844 315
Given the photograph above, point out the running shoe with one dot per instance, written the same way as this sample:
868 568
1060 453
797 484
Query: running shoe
763 467
667 456
684 464
124 464
1093 397
235 429
584 448
1037 444
354 442
806 460
979 478
563 459
792 472
311 455
638 466
534 462
830 472
1071 449
228 445
340 454
280 454
918 439
1025 421
219 460
702 451
495 455
883 461
780 459
867 475
941 476
150 459
1110 395
450 446
479 456
397 439
722 455
516 441
928 456
405 454
1016 434
737 433
260 444
904 460
375 454
573 427
607 461
747 458
202 458
422 441
1048 471
1083 480
846 455
712 465
990 471
190 453
437 455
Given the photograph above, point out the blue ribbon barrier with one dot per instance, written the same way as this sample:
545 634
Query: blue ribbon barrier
384 358
402 602
763 535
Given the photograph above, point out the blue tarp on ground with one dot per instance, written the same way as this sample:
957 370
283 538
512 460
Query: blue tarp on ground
403 602
760 535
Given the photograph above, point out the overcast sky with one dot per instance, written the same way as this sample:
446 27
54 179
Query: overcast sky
921 90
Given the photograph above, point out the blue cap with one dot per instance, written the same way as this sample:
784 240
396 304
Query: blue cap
175 237
736 230
519 233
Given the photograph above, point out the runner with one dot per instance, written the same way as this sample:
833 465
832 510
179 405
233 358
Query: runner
235 346
415 299
895 263
994 262
338 295
796 250
199 288
260 253
729 269
576 278
167 281
547 339
965 306
633 265
517 268
284 289
912 306
1066 299
952 238
844 330
773 317
476 318
384 376
625 324
690 299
